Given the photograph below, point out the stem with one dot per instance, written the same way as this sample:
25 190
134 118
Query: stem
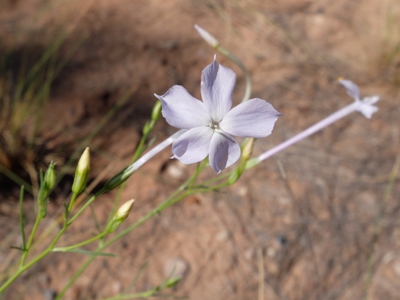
147 129
21 218
145 294
239 63
71 203
79 212
30 241
23 268
168 202
65 249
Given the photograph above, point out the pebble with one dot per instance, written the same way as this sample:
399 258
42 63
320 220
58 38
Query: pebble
175 267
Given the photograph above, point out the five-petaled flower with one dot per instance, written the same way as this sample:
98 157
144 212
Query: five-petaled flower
365 105
211 124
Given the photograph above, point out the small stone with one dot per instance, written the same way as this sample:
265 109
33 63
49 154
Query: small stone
281 240
117 287
249 254
243 191
271 252
176 170
222 236
396 267
49 294
175 267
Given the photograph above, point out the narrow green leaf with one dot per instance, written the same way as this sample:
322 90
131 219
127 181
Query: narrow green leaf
21 216
81 251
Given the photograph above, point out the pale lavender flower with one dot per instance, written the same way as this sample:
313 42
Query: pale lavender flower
211 124
365 104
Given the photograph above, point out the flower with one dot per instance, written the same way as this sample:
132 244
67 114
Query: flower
365 104
211 124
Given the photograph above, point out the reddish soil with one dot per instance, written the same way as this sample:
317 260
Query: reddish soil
305 219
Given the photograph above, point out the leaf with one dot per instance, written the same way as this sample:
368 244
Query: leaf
81 251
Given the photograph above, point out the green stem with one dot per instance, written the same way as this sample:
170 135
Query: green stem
75 277
71 203
80 211
21 217
139 151
65 249
239 63
23 267
145 294
30 241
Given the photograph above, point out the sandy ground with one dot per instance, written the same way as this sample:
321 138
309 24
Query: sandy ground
300 225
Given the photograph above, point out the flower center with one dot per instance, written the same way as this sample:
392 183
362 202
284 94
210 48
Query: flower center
214 125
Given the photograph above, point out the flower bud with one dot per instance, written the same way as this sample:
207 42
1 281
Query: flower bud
118 179
120 215
212 41
47 183
81 173
156 112
247 149
146 128
50 177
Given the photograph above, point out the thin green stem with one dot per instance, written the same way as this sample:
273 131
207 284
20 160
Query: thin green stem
30 240
14 177
139 151
200 167
80 211
95 238
145 294
168 202
21 218
72 201
239 63
75 277
25 267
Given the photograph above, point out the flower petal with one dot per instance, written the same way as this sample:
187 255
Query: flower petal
217 83
193 146
253 118
224 151
351 88
371 99
181 110
365 106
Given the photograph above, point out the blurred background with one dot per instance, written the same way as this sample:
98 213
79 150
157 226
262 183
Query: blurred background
317 221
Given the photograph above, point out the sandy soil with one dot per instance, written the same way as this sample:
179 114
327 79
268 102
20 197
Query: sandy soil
299 226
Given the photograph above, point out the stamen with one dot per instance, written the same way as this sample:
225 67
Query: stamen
214 125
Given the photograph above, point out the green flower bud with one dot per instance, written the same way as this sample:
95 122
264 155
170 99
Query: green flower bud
50 177
118 179
247 149
120 216
47 183
146 128
155 114
81 173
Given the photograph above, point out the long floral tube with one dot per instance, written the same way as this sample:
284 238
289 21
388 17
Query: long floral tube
355 106
128 171
146 157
